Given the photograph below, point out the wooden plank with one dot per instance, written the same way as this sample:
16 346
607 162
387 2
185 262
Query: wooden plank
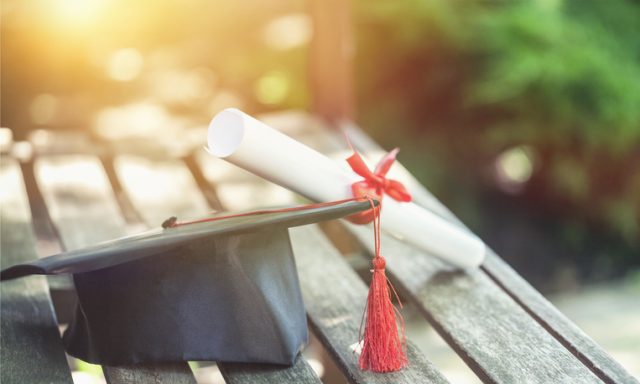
558 325
166 373
237 373
32 351
564 330
79 199
84 211
333 293
334 297
155 187
159 200
61 288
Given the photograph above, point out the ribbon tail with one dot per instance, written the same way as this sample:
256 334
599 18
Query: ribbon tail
397 191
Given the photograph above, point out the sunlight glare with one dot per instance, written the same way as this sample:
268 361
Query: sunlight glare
6 139
224 99
78 173
142 120
77 11
125 64
184 86
317 366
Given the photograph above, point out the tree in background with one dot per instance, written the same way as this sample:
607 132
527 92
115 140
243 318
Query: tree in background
536 104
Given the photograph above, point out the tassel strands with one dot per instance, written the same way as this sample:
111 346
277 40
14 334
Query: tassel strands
383 350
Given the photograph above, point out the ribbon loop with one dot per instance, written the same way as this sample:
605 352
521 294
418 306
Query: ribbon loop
375 184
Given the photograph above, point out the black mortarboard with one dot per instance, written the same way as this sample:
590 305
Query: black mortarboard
224 290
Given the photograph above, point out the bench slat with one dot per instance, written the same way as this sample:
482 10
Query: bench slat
333 293
175 193
159 187
334 298
238 373
556 323
563 329
32 351
84 210
166 373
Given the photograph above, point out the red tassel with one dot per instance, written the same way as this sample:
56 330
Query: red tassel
382 349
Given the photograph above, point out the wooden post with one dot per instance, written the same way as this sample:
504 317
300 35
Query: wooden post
330 60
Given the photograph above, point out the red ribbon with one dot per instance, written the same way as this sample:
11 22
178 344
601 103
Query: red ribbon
375 184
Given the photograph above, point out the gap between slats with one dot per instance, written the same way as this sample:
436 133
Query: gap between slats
152 373
29 329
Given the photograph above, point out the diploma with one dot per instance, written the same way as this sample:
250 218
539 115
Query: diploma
254 146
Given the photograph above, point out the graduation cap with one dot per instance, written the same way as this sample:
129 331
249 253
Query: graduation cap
223 290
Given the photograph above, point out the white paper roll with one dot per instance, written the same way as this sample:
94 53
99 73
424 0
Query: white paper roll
250 144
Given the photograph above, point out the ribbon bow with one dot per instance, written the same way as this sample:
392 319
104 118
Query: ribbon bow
375 184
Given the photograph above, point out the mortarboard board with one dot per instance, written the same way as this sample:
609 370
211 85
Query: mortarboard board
223 290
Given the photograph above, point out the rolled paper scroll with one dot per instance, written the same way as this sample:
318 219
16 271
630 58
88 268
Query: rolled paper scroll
254 146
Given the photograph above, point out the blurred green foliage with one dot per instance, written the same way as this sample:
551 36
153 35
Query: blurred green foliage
456 83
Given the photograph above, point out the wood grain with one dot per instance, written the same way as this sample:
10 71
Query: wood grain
237 373
166 373
84 210
32 351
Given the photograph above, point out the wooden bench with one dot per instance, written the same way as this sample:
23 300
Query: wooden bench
65 191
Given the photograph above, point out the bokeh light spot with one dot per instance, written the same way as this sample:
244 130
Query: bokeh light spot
22 150
514 168
132 120
43 108
272 88
183 86
288 31
125 64
6 139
